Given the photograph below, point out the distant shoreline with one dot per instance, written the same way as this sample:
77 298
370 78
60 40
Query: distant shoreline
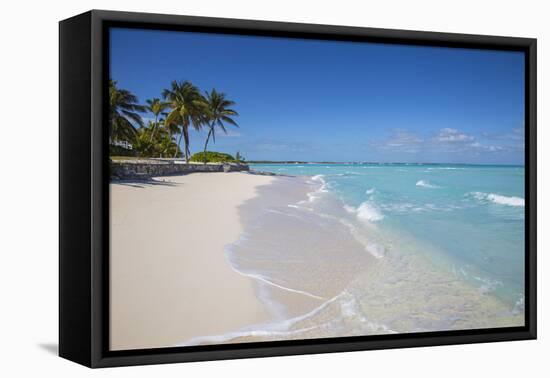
289 162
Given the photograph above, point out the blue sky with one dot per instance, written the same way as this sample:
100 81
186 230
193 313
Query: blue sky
339 101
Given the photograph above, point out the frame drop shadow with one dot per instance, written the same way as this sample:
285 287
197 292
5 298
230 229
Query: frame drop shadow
52 348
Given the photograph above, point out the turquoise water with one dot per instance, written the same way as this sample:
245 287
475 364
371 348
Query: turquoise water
339 250
468 218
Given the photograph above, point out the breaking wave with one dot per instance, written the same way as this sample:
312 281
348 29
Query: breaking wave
499 199
366 211
426 184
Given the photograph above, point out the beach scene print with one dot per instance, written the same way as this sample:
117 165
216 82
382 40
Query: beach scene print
269 189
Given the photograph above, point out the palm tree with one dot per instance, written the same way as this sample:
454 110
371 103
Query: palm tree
172 130
188 108
165 144
218 113
123 113
142 144
156 106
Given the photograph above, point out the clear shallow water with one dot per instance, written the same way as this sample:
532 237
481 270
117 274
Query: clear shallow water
469 217
345 250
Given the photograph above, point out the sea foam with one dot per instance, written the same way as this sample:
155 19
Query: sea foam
314 195
499 199
503 200
426 184
367 211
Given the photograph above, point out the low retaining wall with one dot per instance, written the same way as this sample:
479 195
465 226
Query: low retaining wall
128 169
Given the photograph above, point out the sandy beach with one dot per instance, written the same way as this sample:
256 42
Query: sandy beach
169 278
210 258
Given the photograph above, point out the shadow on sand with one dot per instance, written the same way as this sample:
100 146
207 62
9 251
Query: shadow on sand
143 183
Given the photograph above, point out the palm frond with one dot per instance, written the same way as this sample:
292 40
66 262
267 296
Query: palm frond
219 112
123 113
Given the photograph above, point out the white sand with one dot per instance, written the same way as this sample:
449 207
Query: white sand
169 278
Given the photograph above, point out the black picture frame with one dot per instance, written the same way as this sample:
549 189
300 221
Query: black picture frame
83 195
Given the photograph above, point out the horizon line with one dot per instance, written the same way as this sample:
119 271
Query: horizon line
371 162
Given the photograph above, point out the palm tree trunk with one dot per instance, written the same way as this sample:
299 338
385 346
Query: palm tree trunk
186 143
178 145
206 143
165 151
155 125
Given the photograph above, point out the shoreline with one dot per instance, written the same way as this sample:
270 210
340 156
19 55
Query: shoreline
169 276
338 276
354 291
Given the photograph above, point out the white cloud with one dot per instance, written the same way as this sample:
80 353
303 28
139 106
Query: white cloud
485 148
516 134
454 140
448 135
403 140
445 140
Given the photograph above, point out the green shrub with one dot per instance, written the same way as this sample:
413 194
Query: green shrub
212 157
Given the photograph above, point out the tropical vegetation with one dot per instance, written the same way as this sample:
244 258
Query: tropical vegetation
212 157
123 114
218 113
182 107
157 107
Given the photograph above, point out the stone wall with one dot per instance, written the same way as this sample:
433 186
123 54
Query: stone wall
144 169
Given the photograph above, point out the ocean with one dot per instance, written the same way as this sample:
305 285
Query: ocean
363 249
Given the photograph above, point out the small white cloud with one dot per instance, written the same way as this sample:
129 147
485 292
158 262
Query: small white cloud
478 147
513 135
448 135
403 140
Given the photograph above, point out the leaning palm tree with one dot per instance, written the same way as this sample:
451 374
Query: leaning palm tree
187 109
218 113
123 113
156 106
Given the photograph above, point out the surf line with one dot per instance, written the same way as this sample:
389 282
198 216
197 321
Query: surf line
260 278
275 329
264 280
